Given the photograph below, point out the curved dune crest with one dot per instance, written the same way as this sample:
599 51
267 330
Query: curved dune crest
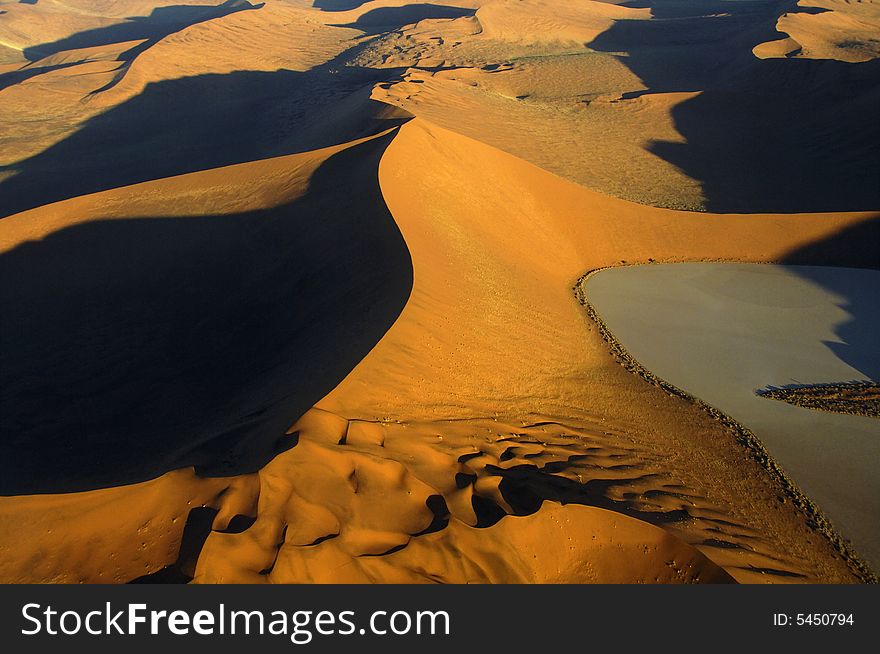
841 30
643 107
292 300
537 21
313 542
488 392
323 517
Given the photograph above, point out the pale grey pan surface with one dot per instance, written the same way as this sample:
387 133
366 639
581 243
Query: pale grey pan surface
722 331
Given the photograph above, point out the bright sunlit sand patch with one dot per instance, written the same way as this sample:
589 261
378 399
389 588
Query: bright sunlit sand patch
828 29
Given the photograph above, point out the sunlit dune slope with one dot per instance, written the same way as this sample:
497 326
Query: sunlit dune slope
58 536
671 109
67 82
288 287
490 391
828 29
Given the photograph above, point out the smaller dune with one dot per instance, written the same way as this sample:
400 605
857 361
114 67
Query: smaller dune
323 517
827 29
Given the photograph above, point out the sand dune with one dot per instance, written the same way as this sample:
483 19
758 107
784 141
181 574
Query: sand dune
292 299
467 306
565 21
181 349
53 97
828 29
352 539
643 107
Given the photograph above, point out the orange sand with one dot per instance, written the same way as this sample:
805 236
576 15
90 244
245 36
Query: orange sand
489 435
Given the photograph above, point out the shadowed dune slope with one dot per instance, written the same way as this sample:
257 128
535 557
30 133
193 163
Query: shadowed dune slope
164 131
489 396
161 22
338 5
385 19
258 325
163 342
855 245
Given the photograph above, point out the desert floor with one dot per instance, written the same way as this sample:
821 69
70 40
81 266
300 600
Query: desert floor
290 290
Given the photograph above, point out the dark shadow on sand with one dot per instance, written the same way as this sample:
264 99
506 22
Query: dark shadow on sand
775 135
23 74
197 123
338 5
162 22
195 532
855 247
132 347
384 19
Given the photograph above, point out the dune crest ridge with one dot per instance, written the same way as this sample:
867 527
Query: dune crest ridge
358 228
512 431
827 29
